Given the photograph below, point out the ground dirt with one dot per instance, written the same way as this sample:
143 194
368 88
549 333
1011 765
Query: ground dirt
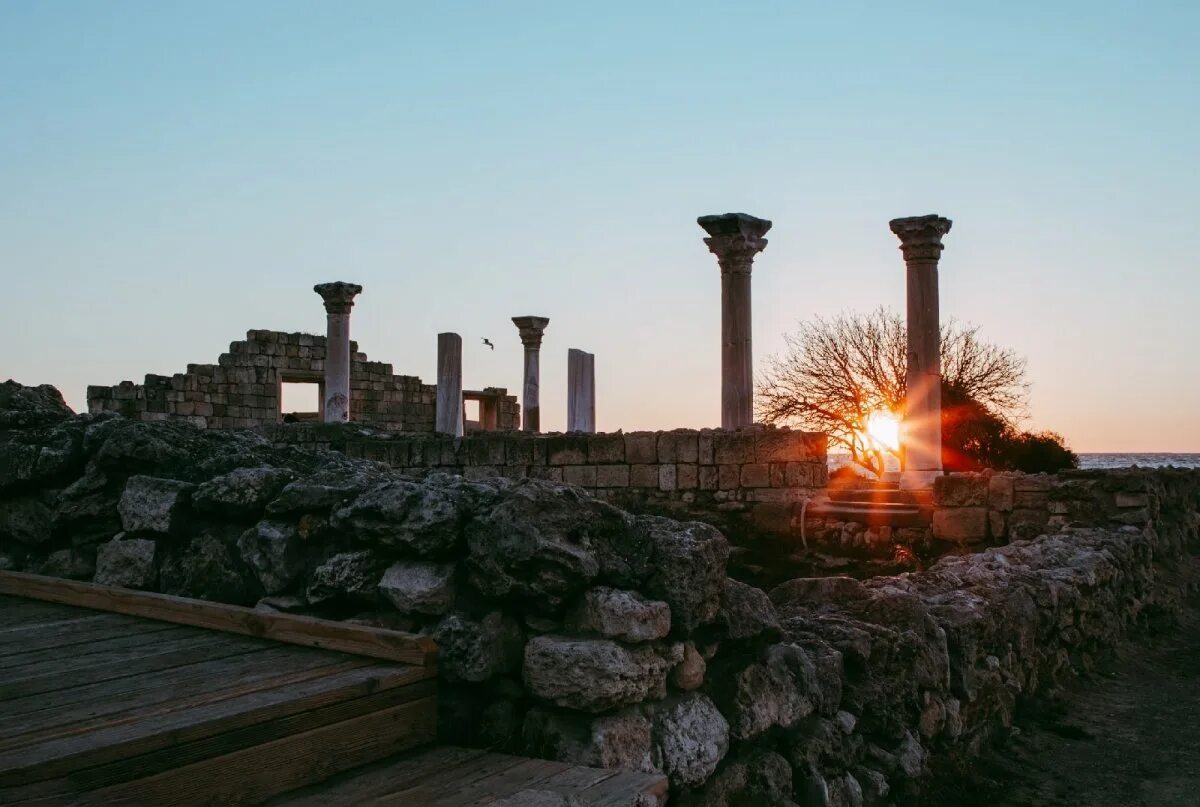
1127 735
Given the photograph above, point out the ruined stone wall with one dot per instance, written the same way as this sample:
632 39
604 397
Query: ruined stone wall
573 630
243 389
757 478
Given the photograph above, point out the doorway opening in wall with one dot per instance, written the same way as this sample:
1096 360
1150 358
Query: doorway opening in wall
470 415
300 401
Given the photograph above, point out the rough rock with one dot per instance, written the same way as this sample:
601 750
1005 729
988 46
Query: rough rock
419 587
127 562
618 614
23 407
746 612
86 511
69 564
241 493
688 571
777 690
618 741
470 650
594 675
272 551
38 456
423 518
207 570
691 737
25 520
689 673
344 575
151 505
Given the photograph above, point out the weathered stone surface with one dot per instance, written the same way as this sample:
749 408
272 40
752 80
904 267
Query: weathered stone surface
960 490
689 673
470 650
618 741
127 562
329 487
69 564
206 570
243 492
688 570
424 518
960 523
24 407
272 551
86 511
419 587
25 520
594 675
618 614
152 505
691 736
746 612
777 690
346 574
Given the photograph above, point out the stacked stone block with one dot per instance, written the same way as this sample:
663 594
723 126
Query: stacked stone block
242 390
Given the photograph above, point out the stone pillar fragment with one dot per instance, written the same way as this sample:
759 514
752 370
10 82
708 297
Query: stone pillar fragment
921 431
581 391
339 299
531 329
735 238
449 405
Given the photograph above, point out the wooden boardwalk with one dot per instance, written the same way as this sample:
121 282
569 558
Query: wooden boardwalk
147 699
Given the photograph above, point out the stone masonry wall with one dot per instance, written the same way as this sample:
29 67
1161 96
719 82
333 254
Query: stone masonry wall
573 630
243 388
757 478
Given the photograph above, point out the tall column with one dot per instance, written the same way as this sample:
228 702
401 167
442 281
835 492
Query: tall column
448 412
735 238
531 329
921 432
339 299
581 391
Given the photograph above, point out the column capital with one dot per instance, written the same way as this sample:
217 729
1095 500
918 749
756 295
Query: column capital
735 238
339 296
531 329
921 236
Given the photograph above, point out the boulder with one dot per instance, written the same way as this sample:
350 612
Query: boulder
272 551
595 675
619 741
420 587
152 505
241 493
69 564
206 570
690 737
777 690
746 612
23 407
470 650
688 571
618 614
816 593
86 512
331 486
25 520
353 575
39 455
128 563
424 518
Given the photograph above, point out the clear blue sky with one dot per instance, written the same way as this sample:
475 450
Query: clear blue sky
174 174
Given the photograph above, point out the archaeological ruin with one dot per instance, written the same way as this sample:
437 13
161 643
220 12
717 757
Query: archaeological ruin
698 604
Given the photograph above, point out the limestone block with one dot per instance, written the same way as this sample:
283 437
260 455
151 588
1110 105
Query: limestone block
149 504
667 477
730 477
1123 499
678 446
1031 499
643 476
687 476
612 476
1032 482
641 447
691 736
960 490
606 448
756 475
419 587
704 448
582 475
777 445
127 562
733 448
962 524
1000 492
709 477
594 675
798 475
778 475
618 614
567 449
997 525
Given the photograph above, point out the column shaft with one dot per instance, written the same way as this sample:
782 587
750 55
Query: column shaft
531 330
581 391
737 355
339 299
449 406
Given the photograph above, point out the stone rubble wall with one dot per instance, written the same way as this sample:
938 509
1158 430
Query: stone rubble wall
755 478
242 390
571 629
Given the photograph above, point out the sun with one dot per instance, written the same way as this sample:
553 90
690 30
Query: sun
884 429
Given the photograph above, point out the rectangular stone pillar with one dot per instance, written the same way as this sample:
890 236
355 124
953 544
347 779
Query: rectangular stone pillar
448 417
581 391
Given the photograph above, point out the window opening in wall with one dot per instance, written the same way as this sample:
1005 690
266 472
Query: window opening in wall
300 401
471 414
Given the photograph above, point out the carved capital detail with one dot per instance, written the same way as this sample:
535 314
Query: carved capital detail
531 330
339 296
921 236
735 238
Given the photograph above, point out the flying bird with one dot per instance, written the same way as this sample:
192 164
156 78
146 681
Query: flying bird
487 342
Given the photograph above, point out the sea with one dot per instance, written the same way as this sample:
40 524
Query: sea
1093 461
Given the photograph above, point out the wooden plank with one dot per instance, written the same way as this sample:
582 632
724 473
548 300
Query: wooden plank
340 636
434 787
220 680
620 789
83 630
334 703
16 613
372 782
527 773
76 671
21 663
253 775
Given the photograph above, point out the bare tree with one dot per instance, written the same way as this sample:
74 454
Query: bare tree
836 372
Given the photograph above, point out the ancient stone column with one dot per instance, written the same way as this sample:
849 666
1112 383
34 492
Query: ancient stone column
921 431
339 299
581 391
735 238
531 329
448 410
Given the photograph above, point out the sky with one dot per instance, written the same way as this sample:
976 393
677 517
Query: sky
174 174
